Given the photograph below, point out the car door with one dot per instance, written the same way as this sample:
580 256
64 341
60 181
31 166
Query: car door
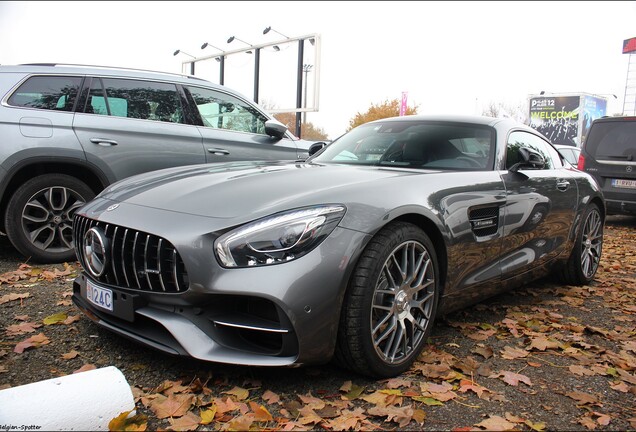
234 129
130 126
539 206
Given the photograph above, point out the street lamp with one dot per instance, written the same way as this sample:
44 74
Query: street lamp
191 63
306 70
220 59
257 64
268 29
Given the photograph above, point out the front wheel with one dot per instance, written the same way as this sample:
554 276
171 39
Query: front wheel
390 304
39 216
586 255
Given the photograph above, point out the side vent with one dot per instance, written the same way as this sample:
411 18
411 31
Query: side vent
484 221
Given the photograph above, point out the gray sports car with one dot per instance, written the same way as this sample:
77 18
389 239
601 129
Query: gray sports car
350 254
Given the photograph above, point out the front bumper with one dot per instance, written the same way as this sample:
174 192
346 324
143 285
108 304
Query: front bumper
276 315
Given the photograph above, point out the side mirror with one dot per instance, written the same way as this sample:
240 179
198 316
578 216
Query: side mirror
530 159
275 129
316 147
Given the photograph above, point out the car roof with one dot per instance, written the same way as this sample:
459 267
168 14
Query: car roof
55 68
473 119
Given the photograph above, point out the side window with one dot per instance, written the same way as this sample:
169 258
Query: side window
138 99
222 111
56 93
518 140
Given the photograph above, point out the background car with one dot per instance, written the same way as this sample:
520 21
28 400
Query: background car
69 131
570 153
349 255
609 154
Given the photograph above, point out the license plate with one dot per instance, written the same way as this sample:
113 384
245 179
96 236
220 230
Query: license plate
102 297
620 183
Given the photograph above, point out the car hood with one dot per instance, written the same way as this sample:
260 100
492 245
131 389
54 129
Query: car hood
246 188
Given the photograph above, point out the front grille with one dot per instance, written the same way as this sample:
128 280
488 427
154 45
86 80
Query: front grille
134 259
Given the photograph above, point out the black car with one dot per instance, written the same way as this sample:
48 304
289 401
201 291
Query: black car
609 154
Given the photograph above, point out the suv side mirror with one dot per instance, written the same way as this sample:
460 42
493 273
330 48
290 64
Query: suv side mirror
530 159
275 129
316 147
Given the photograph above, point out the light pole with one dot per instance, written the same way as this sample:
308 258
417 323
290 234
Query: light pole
220 59
190 55
257 64
306 70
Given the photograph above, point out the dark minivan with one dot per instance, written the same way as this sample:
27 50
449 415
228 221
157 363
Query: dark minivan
609 154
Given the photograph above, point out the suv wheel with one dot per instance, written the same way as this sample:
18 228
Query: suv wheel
39 217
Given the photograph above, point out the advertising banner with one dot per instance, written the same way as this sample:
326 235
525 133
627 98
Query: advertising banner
557 118
593 108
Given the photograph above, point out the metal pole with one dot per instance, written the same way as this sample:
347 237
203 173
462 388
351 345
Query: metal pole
299 86
257 65
306 69
222 70
192 68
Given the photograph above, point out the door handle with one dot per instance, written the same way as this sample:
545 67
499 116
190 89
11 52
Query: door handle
218 151
103 142
563 185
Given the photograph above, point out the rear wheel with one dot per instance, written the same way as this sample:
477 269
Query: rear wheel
586 255
39 216
390 304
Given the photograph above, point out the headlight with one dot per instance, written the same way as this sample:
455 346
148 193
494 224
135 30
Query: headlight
278 238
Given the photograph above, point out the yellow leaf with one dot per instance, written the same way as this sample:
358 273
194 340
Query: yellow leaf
124 423
240 393
207 416
427 400
355 392
55 318
260 412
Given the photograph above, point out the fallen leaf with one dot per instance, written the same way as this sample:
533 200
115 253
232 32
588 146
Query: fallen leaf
35 341
583 398
496 423
175 405
240 393
511 353
484 351
260 412
207 416
123 422
71 319
354 393
347 420
271 397
187 422
512 378
85 368
400 415
22 328
580 370
70 355
12 297
55 318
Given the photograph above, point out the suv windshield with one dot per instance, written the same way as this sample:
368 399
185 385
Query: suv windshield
612 140
415 144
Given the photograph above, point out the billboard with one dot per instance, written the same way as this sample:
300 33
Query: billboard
592 108
557 118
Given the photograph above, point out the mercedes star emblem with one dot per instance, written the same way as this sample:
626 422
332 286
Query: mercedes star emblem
95 251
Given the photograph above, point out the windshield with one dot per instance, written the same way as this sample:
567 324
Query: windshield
427 145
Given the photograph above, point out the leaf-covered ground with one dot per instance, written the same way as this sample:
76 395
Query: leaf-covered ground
542 357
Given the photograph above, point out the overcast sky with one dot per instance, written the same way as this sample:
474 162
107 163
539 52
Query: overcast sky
451 57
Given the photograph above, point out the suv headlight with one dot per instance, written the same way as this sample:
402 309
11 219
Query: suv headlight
278 238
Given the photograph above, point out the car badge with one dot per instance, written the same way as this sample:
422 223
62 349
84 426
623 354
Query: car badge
113 207
96 251
628 168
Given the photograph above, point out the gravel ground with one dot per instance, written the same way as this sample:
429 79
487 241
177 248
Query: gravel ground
542 357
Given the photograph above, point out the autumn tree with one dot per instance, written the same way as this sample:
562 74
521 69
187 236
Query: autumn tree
307 129
388 108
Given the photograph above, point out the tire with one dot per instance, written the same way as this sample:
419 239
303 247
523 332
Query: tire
39 216
382 329
586 255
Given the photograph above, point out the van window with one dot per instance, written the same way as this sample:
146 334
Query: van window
612 139
57 93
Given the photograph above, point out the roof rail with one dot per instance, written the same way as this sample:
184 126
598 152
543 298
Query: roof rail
113 67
